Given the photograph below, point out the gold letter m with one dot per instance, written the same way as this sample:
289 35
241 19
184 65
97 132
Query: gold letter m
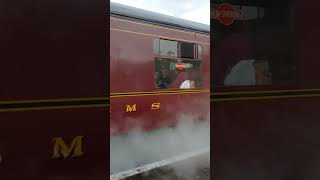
131 108
60 147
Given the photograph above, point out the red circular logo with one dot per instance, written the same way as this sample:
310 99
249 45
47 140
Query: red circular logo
180 66
226 14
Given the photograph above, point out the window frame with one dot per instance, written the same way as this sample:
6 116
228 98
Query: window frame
178 50
168 40
177 58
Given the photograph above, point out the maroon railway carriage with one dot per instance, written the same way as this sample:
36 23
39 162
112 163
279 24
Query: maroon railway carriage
265 108
53 74
159 68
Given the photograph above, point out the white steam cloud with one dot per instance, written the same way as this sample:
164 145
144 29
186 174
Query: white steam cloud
141 148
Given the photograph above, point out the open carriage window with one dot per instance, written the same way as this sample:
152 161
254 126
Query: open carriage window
163 47
177 64
187 50
177 74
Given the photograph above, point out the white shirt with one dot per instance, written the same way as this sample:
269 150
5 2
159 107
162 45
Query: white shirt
185 85
242 74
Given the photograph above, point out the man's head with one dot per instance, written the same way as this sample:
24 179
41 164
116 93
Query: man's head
261 67
165 73
262 72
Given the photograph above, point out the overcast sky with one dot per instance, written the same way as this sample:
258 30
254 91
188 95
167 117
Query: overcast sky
194 10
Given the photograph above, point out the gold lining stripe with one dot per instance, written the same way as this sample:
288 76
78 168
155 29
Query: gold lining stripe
265 97
157 26
53 107
54 100
177 90
163 93
267 91
164 37
102 98
158 94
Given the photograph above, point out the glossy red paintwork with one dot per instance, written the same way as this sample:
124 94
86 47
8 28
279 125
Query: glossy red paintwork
26 144
280 134
52 50
132 70
273 138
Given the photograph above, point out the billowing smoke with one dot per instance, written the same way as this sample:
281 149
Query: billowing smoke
140 148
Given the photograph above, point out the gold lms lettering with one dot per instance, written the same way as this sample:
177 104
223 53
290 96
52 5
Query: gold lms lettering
133 108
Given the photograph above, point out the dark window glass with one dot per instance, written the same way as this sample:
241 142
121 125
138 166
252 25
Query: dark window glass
187 50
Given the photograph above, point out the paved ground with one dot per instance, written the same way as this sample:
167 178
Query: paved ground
197 168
